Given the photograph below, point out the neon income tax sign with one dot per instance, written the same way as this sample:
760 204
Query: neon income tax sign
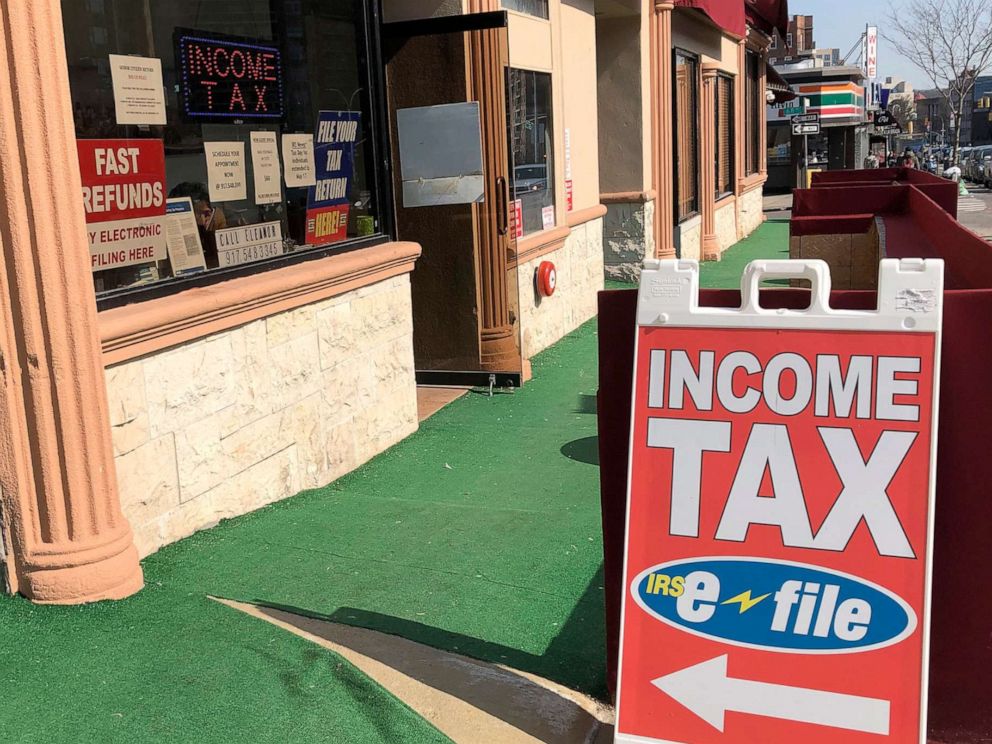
226 78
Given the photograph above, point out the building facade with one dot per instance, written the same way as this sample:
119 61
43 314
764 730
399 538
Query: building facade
934 116
682 91
981 114
237 235
837 94
795 44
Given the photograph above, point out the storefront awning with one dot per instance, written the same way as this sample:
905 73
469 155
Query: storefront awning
777 85
727 14
768 15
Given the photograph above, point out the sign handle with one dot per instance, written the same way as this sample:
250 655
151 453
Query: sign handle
814 270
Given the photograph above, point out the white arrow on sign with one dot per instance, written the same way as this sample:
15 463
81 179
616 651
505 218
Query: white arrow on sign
707 691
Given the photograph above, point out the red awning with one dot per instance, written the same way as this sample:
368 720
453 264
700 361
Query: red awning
727 14
769 15
778 86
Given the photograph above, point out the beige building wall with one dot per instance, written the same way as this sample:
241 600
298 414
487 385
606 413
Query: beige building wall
623 53
726 222
240 419
750 211
564 45
579 262
576 37
621 110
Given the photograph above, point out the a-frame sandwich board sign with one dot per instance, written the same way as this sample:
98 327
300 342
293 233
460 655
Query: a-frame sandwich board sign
780 512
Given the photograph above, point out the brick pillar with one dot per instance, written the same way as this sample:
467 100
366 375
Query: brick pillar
65 537
707 181
661 110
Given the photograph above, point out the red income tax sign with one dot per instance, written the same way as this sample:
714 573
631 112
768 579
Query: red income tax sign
779 513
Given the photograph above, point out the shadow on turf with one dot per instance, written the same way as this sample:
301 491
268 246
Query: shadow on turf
586 404
582 450
576 658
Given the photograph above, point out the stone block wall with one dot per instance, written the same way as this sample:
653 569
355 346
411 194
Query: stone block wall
628 236
224 425
579 263
852 258
750 212
725 221
689 239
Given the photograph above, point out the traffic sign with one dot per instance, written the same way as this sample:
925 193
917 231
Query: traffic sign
799 129
780 507
806 124
884 119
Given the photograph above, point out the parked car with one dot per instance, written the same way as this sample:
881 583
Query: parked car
985 176
964 156
529 177
976 163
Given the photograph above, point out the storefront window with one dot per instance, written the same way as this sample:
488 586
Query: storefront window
537 8
220 133
685 114
779 146
531 150
724 135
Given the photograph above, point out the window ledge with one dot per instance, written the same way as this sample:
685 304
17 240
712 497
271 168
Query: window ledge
724 199
582 216
625 197
540 244
750 182
143 328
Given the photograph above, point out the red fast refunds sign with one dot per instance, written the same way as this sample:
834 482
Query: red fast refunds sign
777 564
122 179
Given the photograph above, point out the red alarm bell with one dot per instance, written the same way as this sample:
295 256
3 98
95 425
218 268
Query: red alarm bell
547 278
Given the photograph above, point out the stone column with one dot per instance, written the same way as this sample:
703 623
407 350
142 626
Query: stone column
65 537
707 181
488 55
661 108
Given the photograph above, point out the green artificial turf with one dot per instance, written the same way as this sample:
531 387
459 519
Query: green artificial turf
479 534
770 241
171 665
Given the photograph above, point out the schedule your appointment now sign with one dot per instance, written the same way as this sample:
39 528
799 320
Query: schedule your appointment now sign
780 508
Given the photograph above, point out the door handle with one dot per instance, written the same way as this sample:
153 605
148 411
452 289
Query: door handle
502 216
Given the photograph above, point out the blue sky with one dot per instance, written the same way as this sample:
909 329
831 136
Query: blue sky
838 23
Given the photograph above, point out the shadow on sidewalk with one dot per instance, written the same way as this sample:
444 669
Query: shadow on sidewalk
576 658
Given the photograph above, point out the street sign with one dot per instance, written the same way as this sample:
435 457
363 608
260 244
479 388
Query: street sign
803 129
780 507
871 52
884 119
806 124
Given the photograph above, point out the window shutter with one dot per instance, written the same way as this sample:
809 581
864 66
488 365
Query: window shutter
724 135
